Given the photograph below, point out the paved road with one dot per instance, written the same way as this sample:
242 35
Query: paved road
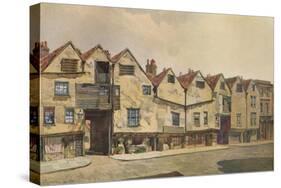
234 159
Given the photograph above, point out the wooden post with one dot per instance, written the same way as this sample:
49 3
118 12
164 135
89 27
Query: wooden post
110 129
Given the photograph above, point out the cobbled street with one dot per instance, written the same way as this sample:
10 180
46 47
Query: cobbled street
234 159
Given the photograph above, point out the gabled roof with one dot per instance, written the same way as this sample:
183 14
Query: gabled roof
88 53
118 56
47 60
246 84
186 79
231 81
156 80
213 80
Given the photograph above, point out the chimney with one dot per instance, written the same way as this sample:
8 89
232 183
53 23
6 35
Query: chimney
151 67
44 49
40 49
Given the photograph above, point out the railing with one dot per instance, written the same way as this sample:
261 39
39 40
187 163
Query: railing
95 96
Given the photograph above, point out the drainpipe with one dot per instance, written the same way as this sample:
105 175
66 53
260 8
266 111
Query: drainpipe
110 129
246 118
185 115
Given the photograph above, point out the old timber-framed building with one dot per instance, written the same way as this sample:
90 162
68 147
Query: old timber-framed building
222 105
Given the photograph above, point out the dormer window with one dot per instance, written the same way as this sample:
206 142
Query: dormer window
171 78
69 65
222 86
200 84
253 87
239 88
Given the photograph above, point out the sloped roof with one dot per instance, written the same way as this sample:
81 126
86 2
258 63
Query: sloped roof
213 80
246 84
186 79
231 81
156 80
47 60
117 57
88 53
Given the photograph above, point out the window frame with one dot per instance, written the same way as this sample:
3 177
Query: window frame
49 109
36 122
253 119
65 115
171 78
129 117
222 85
239 117
146 89
205 118
175 122
67 88
196 121
240 88
200 84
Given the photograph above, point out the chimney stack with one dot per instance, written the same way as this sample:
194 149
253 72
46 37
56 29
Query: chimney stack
151 67
40 49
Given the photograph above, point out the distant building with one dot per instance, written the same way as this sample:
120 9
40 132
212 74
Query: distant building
221 105
266 128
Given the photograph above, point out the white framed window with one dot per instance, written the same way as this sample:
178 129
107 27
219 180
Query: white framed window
196 118
69 115
175 119
61 88
146 90
205 118
133 117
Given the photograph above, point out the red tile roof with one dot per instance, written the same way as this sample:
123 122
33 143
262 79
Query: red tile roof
231 81
88 53
186 79
156 80
213 80
47 60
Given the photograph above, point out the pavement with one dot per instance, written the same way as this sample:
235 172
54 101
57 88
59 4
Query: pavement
254 143
59 165
232 160
157 154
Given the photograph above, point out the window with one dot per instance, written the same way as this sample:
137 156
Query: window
239 88
69 65
238 119
253 87
117 90
266 108
146 89
261 107
61 88
253 101
196 118
205 118
33 115
222 86
200 84
49 115
133 117
104 91
126 69
171 78
175 119
69 115
253 119
217 121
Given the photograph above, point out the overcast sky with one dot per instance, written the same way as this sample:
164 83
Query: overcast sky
212 43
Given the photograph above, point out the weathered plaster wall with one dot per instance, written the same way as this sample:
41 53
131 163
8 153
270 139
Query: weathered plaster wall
131 96
197 95
171 91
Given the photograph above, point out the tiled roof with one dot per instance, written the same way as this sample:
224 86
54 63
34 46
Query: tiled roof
246 84
213 80
116 57
156 80
47 60
88 53
186 79
231 81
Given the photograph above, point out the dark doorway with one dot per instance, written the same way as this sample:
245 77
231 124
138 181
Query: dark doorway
100 122
224 129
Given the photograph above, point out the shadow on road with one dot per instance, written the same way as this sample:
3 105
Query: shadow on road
164 175
246 165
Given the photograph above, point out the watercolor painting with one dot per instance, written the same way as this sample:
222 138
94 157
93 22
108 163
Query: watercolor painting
121 93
